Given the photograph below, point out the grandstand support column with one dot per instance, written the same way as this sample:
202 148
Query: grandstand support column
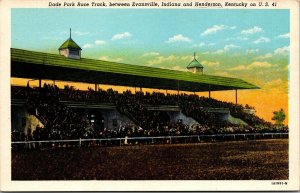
40 82
209 94
236 97
96 87
178 87
141 90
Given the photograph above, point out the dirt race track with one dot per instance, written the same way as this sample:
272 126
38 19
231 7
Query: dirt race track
238 160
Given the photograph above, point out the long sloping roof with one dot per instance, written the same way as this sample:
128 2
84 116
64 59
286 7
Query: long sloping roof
31 64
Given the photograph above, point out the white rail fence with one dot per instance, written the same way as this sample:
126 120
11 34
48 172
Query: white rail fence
144 140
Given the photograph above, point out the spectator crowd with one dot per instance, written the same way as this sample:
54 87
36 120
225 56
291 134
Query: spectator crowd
62 122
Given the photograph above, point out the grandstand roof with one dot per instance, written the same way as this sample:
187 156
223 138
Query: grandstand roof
38 65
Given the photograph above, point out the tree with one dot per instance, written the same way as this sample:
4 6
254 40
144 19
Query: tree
278 117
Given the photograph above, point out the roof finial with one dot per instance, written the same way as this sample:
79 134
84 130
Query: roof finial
70 33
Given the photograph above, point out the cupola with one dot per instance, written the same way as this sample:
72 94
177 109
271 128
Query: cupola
70 49
195 66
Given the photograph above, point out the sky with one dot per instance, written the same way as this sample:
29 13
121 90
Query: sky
252 45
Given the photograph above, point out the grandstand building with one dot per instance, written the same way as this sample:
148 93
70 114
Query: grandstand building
110 113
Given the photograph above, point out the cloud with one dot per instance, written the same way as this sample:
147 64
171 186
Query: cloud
170 59
214 29
121 36
97 42
177 68
107 58
210 63
178 38
253 65
267 55
222 73
150 54
260 65
226 48
251 31
186 57
162 59
88 46
252 51
230 46
238 68
100 42
282 51
261 40
79 33
277 83
202 44
219 52
279 51
287 35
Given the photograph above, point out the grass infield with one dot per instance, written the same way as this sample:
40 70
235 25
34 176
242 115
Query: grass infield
238 160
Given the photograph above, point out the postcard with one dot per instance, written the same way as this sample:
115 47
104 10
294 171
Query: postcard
149 95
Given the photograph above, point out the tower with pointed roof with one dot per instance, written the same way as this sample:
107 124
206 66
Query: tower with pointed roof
195 66
70 49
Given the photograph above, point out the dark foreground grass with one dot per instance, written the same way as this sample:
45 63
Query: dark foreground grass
240 160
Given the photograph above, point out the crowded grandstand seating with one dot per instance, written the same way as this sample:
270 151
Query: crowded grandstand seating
62 122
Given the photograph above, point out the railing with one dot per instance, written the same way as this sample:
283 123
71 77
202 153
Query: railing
144 140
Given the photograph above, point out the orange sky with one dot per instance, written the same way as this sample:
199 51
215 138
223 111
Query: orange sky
264 101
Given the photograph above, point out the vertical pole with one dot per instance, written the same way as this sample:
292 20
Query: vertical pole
54 82
135 89
178 87
141 90
177 92
236 99
166 92
95 86
40 83
209 94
